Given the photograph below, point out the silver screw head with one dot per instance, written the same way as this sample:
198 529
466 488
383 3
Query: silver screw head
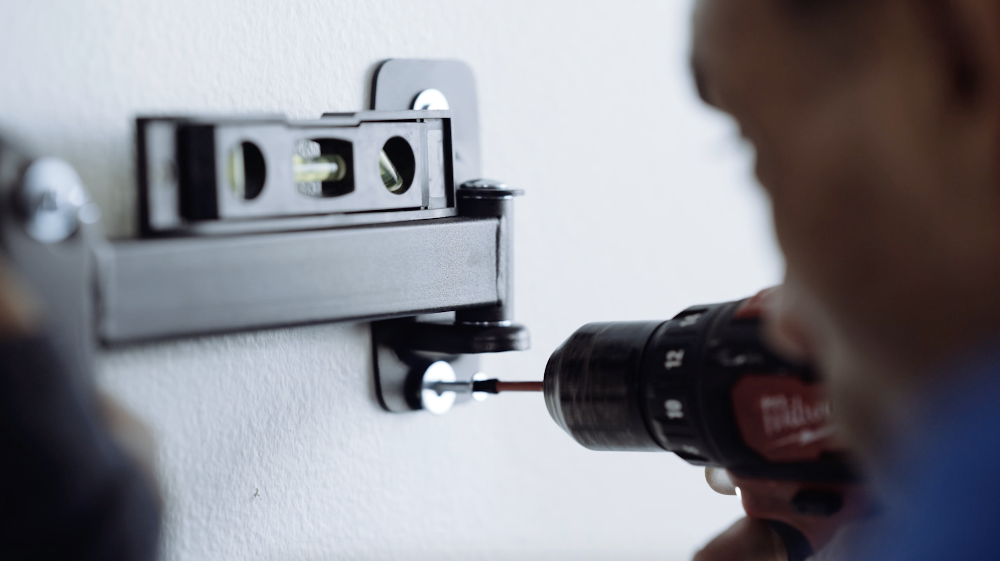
52 201
431 100
438 404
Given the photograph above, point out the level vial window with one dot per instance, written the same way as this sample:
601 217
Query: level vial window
318 169
247 170
396 165
318 174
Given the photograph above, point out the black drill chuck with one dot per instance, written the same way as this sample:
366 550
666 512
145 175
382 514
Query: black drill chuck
593 385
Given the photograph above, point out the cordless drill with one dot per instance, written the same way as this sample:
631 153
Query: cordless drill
705 387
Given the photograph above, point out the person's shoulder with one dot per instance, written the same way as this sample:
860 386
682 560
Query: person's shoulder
950 505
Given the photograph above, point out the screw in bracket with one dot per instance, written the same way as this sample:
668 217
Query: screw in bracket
53 202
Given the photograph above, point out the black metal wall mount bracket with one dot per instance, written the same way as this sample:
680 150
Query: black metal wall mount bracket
409 355
249 223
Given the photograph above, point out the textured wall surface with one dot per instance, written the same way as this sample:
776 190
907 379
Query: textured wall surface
271 444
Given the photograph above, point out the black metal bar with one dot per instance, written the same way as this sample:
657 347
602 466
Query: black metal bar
177 287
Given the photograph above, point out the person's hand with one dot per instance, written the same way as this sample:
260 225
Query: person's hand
753 539
790 330
748 539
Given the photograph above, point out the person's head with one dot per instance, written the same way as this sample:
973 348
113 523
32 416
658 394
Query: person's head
876 125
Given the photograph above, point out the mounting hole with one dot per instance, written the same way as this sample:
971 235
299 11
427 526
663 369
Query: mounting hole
397 165
247 170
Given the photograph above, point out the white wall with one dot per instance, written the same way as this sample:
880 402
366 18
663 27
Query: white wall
271 444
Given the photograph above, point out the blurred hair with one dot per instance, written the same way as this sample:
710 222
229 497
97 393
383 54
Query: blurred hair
813 8
842 28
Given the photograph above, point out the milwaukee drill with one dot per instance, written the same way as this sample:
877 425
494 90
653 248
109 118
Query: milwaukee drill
705 387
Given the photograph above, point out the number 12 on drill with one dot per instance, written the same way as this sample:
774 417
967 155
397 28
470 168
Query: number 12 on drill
675 359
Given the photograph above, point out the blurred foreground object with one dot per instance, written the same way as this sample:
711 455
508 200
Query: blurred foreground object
72 492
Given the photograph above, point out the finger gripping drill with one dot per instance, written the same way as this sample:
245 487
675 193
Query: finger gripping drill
705 387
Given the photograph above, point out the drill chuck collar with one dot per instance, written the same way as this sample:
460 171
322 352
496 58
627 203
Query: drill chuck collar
702 385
